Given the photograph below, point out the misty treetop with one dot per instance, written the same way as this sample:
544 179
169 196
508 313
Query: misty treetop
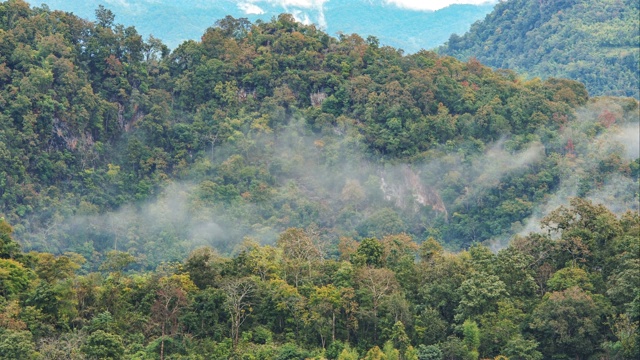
112 142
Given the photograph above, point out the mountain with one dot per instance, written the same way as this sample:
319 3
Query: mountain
108 141
272 192
596 42
177 21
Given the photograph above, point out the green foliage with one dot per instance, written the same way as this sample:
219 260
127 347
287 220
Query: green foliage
117 261
17 345
568 39
375 354
569 277
520 348
8 247
100 121
399 338
348 353
150 179
390 352
291 352
568 323
369 253
103 345
480 293
247 311
14 278
471 334
430 352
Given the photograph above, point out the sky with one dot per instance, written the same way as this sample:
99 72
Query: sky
434 4
410 25
253 6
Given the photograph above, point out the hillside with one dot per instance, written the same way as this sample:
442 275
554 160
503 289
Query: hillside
110 142
596 42
272 192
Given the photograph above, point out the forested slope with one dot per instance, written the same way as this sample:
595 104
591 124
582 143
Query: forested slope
112 142
596 42
271 192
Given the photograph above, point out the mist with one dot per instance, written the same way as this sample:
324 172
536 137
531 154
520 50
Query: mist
330 181
619 137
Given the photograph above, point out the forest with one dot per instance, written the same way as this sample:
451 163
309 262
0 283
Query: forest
272 192
592 41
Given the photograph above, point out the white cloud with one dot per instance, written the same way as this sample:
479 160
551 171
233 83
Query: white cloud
307 4
123 3
249 8
299 9
433 5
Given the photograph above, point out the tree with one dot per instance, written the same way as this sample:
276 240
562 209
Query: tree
325 303
378 285
430 352
171 301
569 277
117 261
375 354
398 250
348 353
286 305
265 261
429 326
499 328
17 344
352 193
204 267
390 352
300 252
430 249
14 278
399 338
9 249
64 346
239 293
103 345
104 16
471 334
479 294
454 348
369 253
568 322
411 354
521 348
206 316
51 269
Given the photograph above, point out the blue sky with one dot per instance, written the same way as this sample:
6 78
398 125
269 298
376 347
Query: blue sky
407 24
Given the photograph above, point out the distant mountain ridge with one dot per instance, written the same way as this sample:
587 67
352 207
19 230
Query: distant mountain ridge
596 42
176 21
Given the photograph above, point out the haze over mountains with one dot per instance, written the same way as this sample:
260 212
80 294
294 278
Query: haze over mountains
405 24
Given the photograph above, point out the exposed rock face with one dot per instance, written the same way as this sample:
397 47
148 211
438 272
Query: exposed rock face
406 189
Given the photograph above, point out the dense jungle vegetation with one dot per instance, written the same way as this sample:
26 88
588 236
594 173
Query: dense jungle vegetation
569 292
271 192
596 42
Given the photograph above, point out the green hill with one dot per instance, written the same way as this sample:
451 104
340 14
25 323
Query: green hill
110 142
271 192
596 42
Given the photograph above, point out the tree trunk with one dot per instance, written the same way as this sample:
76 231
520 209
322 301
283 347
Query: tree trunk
162 344
333 326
